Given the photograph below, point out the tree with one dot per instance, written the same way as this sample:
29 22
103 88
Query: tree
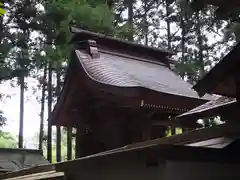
2 119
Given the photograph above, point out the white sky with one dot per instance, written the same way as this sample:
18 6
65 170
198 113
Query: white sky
11 107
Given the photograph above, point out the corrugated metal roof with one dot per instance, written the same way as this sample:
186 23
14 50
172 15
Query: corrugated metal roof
132 72
219 102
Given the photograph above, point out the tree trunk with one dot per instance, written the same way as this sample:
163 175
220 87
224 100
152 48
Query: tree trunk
145 22
200 44
49 139
168 26
182 24
41 131
183 38
130 18
20 136
58 128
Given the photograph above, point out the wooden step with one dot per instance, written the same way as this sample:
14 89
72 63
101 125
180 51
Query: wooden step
53 175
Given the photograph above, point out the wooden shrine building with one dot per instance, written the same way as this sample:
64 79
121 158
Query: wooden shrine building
117 92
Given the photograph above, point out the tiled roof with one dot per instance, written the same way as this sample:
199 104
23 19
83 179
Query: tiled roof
123 71
217 103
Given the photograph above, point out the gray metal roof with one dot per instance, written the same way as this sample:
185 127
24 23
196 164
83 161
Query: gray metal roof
117 70
16 159
219 143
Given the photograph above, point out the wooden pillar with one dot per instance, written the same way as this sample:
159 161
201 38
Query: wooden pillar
69 143
78 139
237 82
135 131
58 143
183 130
78 119
158 131
146 129
173 130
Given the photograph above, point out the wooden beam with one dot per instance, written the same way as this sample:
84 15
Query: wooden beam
165 123
168 123
31 175
27 171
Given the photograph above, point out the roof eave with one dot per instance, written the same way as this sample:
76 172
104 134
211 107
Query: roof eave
218 73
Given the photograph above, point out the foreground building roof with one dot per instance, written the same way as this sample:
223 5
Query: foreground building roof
220 79
166 162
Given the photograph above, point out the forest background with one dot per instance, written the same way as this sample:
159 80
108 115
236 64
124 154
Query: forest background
34 51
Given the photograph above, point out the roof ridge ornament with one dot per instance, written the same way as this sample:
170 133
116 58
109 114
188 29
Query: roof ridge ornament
93 50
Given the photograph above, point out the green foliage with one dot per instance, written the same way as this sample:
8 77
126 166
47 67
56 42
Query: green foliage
169 133
7 140
95 15
2 10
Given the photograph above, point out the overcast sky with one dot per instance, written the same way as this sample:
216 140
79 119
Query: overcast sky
11 107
